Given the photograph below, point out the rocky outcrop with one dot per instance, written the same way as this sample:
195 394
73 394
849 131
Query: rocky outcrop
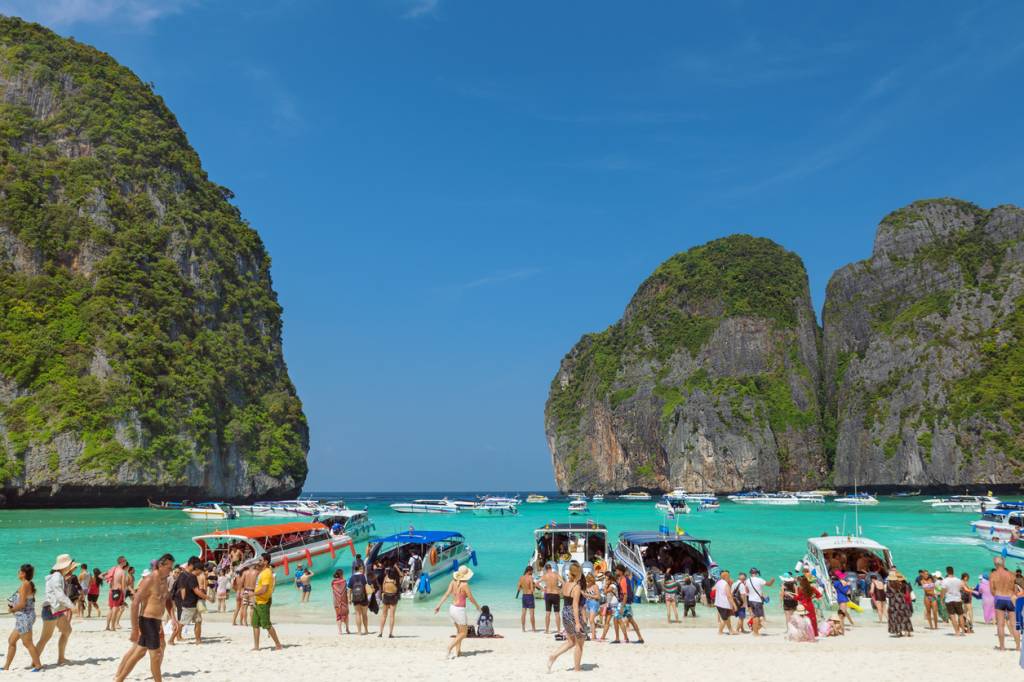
923 353
709 381
140 337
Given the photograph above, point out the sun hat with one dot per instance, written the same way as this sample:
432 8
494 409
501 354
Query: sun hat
800 610
64 563
937 574
463 574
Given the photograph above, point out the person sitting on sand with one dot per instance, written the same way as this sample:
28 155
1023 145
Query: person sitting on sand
799 628
485 622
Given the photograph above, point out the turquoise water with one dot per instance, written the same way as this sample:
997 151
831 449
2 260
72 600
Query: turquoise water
772 539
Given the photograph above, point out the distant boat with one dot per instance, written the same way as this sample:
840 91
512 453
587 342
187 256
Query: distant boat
576 496
488 508
673 507
495 499
635 497
965 503
913 493
442 506
770 499
211 510
169 506
810 497
536 499
859 499
578 507
597 498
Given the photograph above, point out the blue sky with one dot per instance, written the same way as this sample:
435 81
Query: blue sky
453 192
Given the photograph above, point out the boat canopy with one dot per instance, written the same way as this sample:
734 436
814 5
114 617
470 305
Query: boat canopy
256 532
419 536
845 542
646 537
556 527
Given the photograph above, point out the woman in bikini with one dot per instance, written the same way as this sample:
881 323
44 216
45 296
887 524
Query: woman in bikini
573 617
458 590
878 596
23 605
390 588
931 602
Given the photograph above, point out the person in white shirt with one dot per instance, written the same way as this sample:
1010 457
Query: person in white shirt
57 608
725 603
755 598
951 586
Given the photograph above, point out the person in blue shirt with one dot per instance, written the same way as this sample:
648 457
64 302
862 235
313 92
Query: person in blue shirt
842 596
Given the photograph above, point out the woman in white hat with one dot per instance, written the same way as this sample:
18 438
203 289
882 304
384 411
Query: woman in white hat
459 591
56 611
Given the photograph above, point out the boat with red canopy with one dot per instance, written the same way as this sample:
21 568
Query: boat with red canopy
289 544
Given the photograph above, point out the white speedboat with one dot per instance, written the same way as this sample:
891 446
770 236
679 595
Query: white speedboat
442 506
770 499
576 496
441 553
560 544
465 505
859 499
672 507
211 510
965 503
495 499
578 507
635 497
1001 524
647 555
495 509
847 553
536 499
292 544
597 498
810 498
354 523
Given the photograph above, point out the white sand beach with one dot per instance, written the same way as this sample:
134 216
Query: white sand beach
316 652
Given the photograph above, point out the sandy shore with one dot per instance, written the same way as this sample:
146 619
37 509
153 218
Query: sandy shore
316 652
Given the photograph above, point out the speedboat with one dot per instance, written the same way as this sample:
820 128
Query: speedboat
578 507
597 498
488 508
703 505
560 544
354 523
810 498
1002 524
465 505
635 497
168 506
908 493
441 553
290 544
965 503
495 499
282 509
772 499
672 507
211 510
576 496
442 506
650 555
846 553
858 499
536 499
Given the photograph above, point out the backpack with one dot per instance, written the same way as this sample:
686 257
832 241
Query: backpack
359 591
485 626
737 595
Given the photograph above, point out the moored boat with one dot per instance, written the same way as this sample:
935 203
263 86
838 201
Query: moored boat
497 499
651 555
442 506
495 509
810 498
578 507
965 503
1002 524
536 499
289 544
168 506
845 553
635 497
211 510
440 553
672 507
597 498
770 499
858 499
562 543
355 523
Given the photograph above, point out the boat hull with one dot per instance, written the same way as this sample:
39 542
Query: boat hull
317 557
422 509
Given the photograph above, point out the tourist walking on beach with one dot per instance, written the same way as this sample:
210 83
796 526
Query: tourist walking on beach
988 602
390 591
552 586
573 617
899 596
23 605
223 587
624 614
592 597
115 595
306 586
360 596
527 588
1002 583
57 608
787 594
952 596
190 593
725 602
339 593
93 593
876 587
262 596
739 595
249 577
756 586
611 606
842 589
458 590
968 595
152 600
236 585
806 593
931 600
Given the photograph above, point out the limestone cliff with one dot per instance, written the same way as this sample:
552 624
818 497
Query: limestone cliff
709 381
140 338
924 350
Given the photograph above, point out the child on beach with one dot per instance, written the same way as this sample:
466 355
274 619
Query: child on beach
223 586
339 591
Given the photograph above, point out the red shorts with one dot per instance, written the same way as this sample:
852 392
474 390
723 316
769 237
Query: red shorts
115 598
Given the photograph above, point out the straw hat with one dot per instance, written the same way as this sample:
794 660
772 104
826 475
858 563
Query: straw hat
64 563
800 610
895 575
463 574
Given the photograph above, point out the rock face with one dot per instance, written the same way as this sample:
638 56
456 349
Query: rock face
924 361
140 338
709 381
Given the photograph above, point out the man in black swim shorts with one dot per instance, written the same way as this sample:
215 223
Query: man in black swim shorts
151 599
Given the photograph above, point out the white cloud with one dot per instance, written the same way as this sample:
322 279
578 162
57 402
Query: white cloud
421 8
61 13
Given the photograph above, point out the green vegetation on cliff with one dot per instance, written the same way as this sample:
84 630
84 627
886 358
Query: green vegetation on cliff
146 298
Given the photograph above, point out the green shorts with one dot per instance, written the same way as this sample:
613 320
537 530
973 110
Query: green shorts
261 616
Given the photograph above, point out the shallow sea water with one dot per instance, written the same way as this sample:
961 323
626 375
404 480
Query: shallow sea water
742 536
